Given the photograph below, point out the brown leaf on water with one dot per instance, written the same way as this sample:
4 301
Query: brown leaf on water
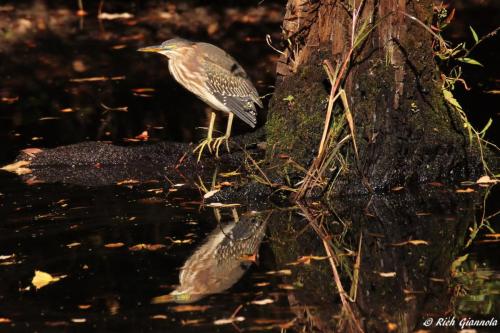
412 242
285 286
391 327
10 100
262 301
84 306
387 274
78 320
66 110
147 247
71 245
280 272
306 260
97 79
467 190
18 167
113 245
41 279
143 90
486 180
191 322
262 284
31 151
159 316
492 235
230 320
5 320
190 308
397 188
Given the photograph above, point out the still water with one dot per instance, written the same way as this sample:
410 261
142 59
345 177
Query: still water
147 253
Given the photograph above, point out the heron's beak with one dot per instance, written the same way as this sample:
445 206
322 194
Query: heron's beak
154 48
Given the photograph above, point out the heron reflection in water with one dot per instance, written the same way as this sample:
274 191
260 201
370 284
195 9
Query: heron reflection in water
220 261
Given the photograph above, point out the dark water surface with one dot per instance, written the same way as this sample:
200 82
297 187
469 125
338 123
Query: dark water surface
121 246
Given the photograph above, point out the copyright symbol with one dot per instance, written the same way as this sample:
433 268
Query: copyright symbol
428 322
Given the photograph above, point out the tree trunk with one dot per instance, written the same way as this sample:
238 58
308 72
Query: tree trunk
405 132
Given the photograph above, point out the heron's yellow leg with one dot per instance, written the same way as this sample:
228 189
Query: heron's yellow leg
225 138
208 140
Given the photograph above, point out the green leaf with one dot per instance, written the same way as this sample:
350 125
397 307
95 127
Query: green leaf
289 98
474 35
470 61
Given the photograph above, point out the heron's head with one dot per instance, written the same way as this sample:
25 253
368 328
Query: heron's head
171 48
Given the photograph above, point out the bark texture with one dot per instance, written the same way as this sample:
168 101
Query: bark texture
405 131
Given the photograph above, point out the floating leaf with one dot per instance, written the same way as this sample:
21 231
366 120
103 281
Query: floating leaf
387 274
221 205
78 320
18 167
467 190
285 286
263 301
148 247
280 272
306 260
229 320
113 245
5 320
71 245
190 308
159 316
486 180
41 279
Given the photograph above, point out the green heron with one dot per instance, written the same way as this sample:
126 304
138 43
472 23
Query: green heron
220 261
216 78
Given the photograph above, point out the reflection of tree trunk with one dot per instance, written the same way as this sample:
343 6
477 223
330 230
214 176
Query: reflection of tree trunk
404 130
399 282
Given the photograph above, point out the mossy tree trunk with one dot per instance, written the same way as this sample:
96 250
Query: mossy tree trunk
405 131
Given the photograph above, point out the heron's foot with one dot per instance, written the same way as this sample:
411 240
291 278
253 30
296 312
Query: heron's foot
217 143
203 143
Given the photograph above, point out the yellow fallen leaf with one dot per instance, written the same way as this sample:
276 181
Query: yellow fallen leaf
113 245
78 320
18 167
210 194
286 286
190 308
467 190
148 247
486 180
280 272
159 316
387 274
84 306
412 242
229 320
41 279
262 301
71 245
221 205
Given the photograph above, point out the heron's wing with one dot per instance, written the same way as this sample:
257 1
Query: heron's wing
229 83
